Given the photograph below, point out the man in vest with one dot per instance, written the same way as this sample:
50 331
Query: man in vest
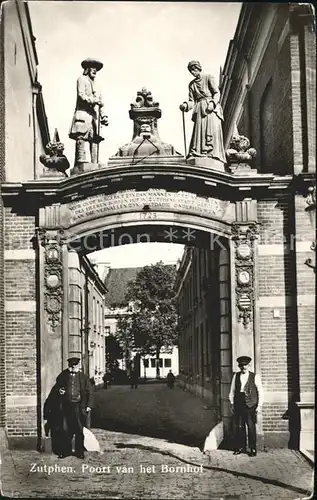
76 394
246 399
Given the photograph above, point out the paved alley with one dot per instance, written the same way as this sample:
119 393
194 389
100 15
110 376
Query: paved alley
151 441
154 410
137 467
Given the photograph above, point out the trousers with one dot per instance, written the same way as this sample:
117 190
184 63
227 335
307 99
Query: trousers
74 426
244 417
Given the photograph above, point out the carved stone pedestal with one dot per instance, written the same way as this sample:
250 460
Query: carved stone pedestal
242 169
82 168
52 174
207 162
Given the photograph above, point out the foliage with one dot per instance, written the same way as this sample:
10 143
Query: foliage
113 353
152 322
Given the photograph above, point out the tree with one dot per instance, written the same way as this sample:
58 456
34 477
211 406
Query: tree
113 353
152 321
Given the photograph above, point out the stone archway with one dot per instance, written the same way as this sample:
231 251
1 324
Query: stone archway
85 214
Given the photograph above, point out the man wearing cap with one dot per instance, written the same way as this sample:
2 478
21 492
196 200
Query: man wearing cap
76 394
84 128
246 399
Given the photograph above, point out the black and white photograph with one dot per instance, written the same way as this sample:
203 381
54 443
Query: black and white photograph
157 250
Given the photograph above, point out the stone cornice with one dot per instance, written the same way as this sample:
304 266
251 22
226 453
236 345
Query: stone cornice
199 180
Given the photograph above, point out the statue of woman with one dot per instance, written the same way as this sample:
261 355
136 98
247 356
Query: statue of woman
207 139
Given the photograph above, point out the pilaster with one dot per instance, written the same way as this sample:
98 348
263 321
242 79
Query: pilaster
51 256
74 305
244 291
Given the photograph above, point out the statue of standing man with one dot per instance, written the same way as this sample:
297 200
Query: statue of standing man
204 96
89 115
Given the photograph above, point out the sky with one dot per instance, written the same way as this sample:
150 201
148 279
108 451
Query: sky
141 44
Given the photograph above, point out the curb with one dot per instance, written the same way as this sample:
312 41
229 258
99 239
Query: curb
308 455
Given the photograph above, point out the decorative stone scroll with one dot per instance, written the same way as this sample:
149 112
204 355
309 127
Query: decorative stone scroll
244 236
53 274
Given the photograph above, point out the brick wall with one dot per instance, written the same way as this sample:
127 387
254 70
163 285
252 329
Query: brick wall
21 330
277 345
305 279
278 316
287 311
19 280
21 354
21 420
276 278
19 230
274 419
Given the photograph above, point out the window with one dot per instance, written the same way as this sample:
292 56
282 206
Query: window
153 363
107 330
146 363
167 363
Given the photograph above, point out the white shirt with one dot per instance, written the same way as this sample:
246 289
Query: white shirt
244 378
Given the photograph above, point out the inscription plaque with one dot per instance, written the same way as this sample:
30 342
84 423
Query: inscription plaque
153 199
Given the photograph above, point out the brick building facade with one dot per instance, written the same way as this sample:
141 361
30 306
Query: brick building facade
244 224
23 136
268 95
87 294
116 282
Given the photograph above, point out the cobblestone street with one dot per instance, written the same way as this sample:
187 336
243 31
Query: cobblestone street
120 473
144 467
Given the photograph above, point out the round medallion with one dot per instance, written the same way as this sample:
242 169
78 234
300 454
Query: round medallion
52 280
53 305
244 302
244 277
244 251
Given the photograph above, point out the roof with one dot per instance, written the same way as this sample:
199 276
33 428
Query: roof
116 283
93 275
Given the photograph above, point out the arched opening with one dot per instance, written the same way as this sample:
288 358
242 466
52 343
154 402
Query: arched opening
203 289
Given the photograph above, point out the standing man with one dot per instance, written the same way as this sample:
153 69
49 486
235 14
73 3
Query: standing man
76 394
246 399
85 125
170 379
133 375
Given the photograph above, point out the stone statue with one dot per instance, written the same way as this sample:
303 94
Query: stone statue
144 144
89 114
146 141
207 139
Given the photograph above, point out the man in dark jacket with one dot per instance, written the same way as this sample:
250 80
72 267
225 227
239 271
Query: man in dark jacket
170 379
55 425
246 398
76 395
